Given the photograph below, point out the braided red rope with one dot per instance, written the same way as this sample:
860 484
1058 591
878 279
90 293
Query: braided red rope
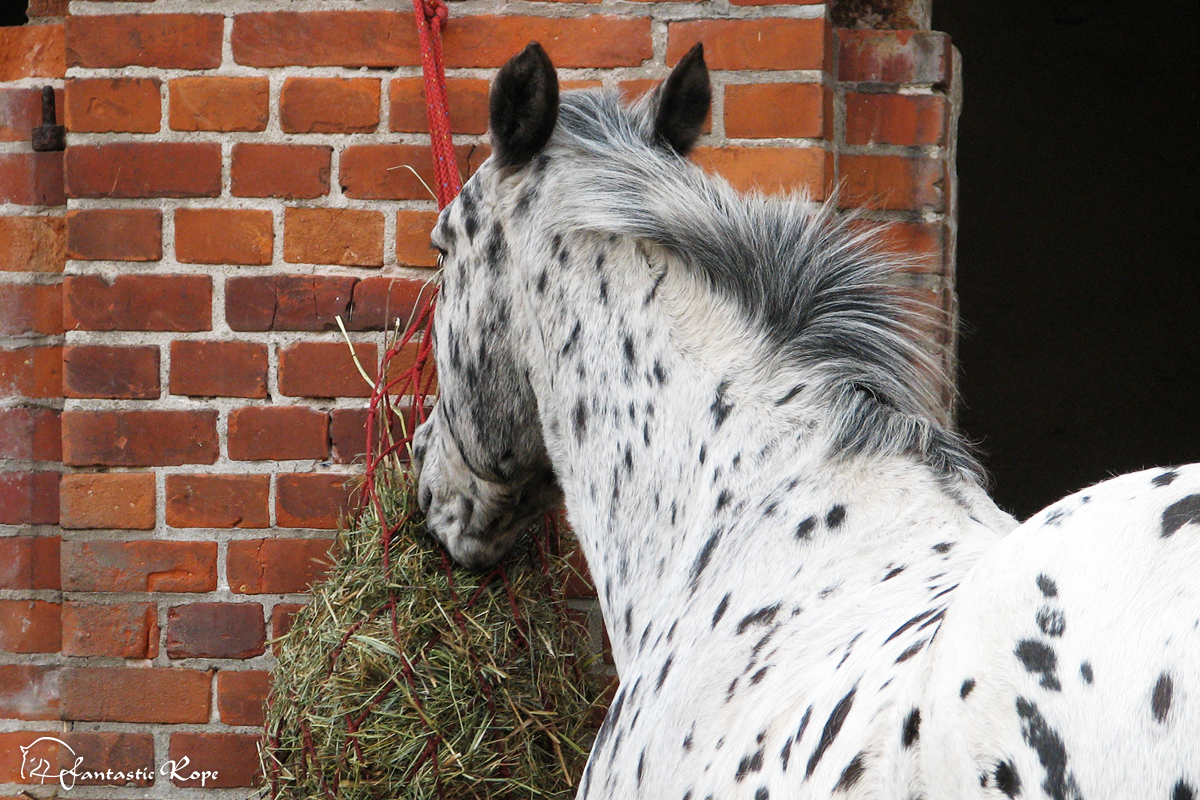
431 16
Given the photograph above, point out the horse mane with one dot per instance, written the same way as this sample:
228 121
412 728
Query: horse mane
814 286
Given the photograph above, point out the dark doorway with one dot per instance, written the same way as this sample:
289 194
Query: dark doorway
1078 268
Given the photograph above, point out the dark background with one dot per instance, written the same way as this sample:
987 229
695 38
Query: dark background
1078 274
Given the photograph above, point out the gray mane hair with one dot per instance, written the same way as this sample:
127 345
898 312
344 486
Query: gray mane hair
815 288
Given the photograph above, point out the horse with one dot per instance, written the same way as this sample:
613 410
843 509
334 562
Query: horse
808 591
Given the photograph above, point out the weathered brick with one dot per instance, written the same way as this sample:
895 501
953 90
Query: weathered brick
922 242
28 498
242 372
325 38
30 308
143 169
120 630
30 691
111 105
32 179
216 630
167 41
32 244
202 103
349 237
379 301
138 303
592 41
348 432
329 105
31 372
125 373
312 500
30 626
119 694
770 169
224 236
21 112
276 566
29 562
466 97
28 433
894 56
146 565
412 238
904 119
47 8
889 183
755 111
325 369
107 500
218 760
218 501
278 433
766 44
115 234
288 302
375 171
137 438
280 170
283 615
241 695
31 51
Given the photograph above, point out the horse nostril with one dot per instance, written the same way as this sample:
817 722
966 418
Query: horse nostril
426 498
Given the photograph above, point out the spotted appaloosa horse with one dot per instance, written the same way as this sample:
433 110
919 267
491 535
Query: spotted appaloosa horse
807 590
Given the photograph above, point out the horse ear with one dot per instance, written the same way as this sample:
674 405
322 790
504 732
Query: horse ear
523 106
684 99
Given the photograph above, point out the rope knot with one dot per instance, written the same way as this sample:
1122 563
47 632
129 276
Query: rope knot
437 12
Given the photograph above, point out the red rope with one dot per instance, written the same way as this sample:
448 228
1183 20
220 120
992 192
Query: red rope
431 16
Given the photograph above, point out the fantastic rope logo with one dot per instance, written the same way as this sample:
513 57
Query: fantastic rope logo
36 764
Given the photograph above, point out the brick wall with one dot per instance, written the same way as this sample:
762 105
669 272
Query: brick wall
178 413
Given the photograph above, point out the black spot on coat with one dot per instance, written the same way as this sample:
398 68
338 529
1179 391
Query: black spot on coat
833 726
851 774
836 516
1049 588
1160 699
1180 513
912 728
968 686
1007 779
1051 621
1039 658
1050 750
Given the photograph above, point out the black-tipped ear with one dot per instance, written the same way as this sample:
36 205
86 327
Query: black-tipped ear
683 102
523 106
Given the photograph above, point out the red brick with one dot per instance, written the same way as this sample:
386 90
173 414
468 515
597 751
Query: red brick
278 433
778 110
592 41
276 566
283 616
217 760
467 98
107 500
31 51
349 237
769 169
219 369
166 41
28 433
124 373
329 105
224 236
218 501
21 112
138 303
325 38
146 565
32 244
377 171
120 630
109 105
115 234
412 238
922 242
219 104
889 183
139 438
31 372
216 630
120 694
894 56
379 301
47 8
30 308
288 302
348 431
241 695
312 500
32 179
325 369
144 169
28 498
766 44
401 362
30 626
903 119
30 691
29 562
280 170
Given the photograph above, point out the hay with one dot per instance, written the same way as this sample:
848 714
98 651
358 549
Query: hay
426 681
